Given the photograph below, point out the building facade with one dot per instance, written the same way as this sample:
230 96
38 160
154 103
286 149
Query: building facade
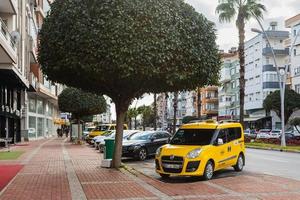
294 60
228 92
28 100
104 118
261 76
209 101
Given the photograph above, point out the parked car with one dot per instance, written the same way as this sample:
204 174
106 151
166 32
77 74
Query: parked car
251 133
87 131
263 134
143 144
100 130
101 143
275 133
96 140
200 149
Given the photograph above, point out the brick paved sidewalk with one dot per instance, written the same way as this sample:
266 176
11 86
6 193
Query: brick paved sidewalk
55 169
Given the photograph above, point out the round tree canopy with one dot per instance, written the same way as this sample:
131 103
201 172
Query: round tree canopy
125 48
80 103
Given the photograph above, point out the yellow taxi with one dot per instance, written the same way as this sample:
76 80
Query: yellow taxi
101 129
200 149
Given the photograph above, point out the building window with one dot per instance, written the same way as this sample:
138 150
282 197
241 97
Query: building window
295 32
32 127
297 88
32 105
232 71
297 71
267 60
40 127
40 108
295 52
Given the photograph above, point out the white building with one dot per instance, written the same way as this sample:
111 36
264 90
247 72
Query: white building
261 76
294 61
104 118
228 91
185 106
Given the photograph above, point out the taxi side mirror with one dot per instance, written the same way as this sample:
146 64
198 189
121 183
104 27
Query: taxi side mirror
220 141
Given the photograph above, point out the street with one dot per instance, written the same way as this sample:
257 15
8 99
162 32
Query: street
275 163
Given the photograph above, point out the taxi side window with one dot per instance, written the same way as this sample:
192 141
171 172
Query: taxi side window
234 133
223 135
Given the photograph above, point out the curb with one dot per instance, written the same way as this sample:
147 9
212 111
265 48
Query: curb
272 149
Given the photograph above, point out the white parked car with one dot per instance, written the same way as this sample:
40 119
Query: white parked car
263 134
275 133
100 143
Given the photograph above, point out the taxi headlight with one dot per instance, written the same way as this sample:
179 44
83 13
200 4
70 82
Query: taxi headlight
194 154
158 151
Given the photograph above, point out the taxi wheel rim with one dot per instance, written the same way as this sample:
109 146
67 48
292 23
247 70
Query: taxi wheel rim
142 154
209 171
240 162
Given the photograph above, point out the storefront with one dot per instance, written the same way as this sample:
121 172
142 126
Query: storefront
12 91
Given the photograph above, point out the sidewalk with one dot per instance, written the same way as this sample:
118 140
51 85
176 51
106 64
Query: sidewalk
55 169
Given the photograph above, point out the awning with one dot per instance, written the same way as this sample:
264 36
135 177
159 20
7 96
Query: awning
253 119
10 78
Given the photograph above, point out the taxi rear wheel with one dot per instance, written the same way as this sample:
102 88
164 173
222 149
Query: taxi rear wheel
208 171
239 163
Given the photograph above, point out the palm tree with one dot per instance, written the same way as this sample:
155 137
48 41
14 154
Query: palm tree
241 11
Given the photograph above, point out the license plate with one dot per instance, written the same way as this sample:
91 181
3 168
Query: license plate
172 166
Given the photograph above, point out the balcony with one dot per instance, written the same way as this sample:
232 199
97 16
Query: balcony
33 81
8 6
46 92
225 75
224 104
212 99
8 52
211 88
267 51
269 68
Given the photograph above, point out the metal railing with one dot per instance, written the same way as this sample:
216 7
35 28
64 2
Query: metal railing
5 32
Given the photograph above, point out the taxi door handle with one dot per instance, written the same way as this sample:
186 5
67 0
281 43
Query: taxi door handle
228 149
222 152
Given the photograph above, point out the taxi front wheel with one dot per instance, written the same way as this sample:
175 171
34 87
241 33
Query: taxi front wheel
239 163
208 171
164 176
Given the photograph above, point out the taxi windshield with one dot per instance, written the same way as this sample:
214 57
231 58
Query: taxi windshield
102 128
193 137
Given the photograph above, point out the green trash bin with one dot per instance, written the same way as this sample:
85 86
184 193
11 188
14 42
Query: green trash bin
109 148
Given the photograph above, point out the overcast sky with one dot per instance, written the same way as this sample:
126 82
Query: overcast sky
277 10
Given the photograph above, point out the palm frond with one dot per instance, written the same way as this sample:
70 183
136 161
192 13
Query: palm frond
226 11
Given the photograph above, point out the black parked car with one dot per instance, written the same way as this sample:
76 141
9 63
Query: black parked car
142 144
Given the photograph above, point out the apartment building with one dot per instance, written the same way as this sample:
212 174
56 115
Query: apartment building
13 69
42 109
209 101
185 106
228 92
261 76
28 101
294 60
104 118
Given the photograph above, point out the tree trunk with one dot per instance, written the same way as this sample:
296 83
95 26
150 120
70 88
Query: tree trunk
199 103
155 112
121 109
135 121
241 27
130 125
175 100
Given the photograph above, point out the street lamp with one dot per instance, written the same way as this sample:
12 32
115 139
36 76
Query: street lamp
281 78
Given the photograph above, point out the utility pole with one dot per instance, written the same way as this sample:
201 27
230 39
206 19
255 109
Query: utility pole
175 101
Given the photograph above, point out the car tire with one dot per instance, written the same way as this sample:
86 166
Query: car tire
239 163
141 154
164 176
208 170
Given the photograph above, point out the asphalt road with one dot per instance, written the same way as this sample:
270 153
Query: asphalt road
257 161
273 163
